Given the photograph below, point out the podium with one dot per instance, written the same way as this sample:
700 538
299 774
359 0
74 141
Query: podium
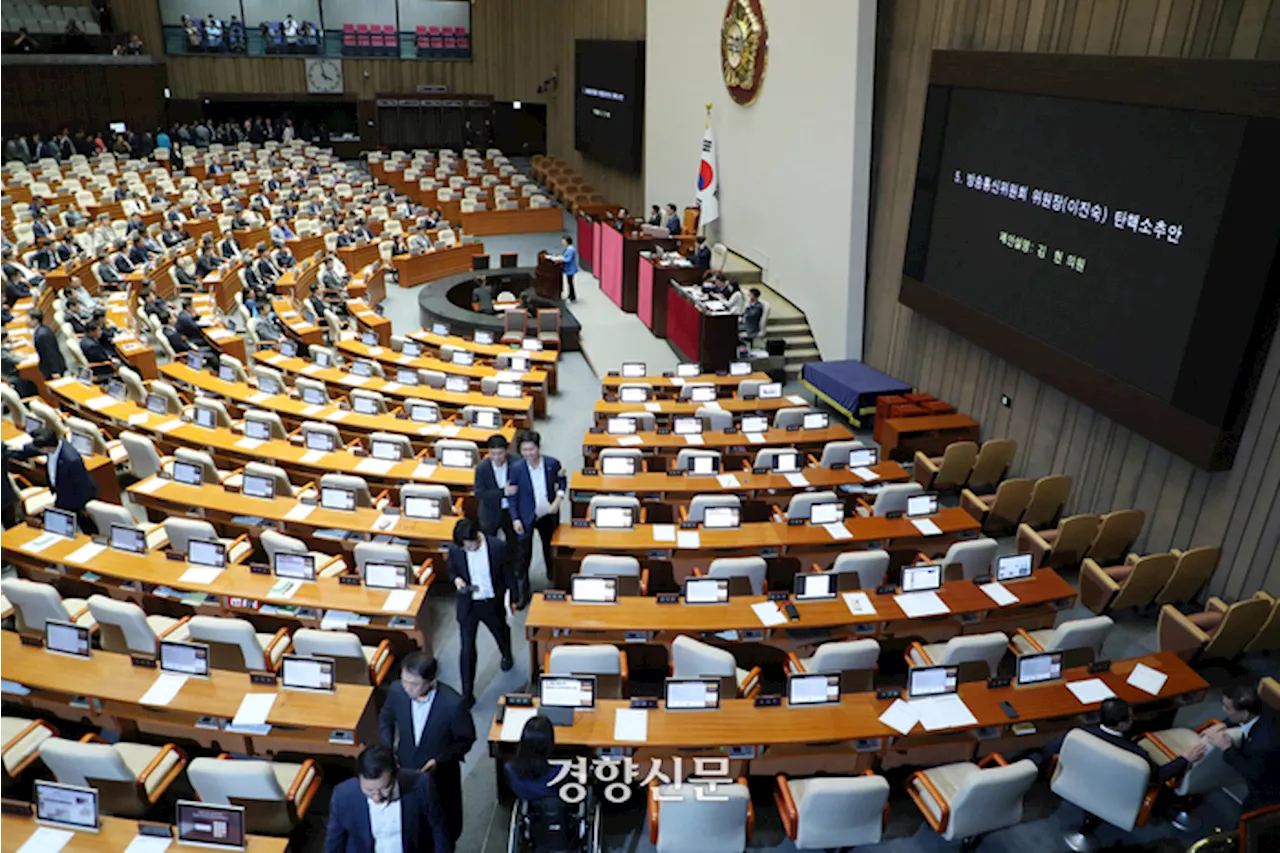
548 277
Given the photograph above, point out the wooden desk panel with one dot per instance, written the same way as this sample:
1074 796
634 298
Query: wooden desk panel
670 444
901 437
368 320
113 836
668 387
541 359
295 283
356 258
483 223
294 323
419 269
664 409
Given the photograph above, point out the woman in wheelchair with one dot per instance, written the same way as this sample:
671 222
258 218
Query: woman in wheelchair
531 773
542 821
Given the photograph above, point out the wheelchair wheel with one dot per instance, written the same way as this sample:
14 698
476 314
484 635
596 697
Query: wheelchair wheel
515 832
595 827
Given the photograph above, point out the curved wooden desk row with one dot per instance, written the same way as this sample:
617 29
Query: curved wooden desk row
299 720
156 583
668 387
438 263
534 381
114 835
292 409
99 467
738 443
544 359
233 449
662 409
225 507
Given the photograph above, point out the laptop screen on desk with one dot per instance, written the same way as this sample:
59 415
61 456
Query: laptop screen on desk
386 575
484 338
82 443
369 339
814 586
424 413
462 358
816 420
364 405
457 384
194 361
485 419
207 825
260 430
256 486
518 364
188 473
1013 567
413 349
922 505
417 506
59 521
706 591
826 512
156 405
813 689
320 357
294 566
66 638
510 390
722 518
441 329
407 376
615 518
633 395
691 694
455 457
68 806
739 368
298 672
128 539
206 552
268 385
184 658
755 423
556 691
688 426
770 391
786 462
288 349
620 426
704 465
361 367
316 440
931 681
313 397
921 578
864 457
226 373
388 451
206 417
1036 669
702 393
687 369
589 589
339 499
634 369
618 466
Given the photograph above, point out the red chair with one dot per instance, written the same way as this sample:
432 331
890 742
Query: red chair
423 40
437 43
464 44
390 39
348 39
363 43
362 29
375 40
450 44
349 28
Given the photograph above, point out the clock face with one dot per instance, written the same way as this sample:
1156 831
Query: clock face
743 49
324 75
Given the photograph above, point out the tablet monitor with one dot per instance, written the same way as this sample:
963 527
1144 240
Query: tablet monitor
486 419
129 539
362 405
617 466
313 396
321 357
685 425
559 691
195 361
207 552
156 405
620 426
816 420
33 423
257 486
115 389
483 337
67 806
386 575
531 344
931 681
687 369
510 390
455 457
786 462
206 417
407 376
254 428
615 518
923 577
814 586
209 825
66 638
770 391
704 465
298 672
518 364
388 451
82 443
1037 669
589 589
418 506
59 521
226 373
922 505
702 393
268 385
632 394
691 694
1013 567
369 339
864 457
437 329
413 349
755 423
188 473
634 369
722 518
289 349
184 658
706 591
424 413
739 368
332 497
462 358
317 440
457 384
300 567
813 688
360 367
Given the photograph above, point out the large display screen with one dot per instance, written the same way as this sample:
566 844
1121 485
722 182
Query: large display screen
608 122
1112 248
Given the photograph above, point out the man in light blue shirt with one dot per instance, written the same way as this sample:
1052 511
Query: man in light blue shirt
570 261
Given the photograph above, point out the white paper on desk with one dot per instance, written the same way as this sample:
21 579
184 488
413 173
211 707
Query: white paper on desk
451 431
200 575
299 512
424 470
284 589
999 593
272 358
695 439
398 601
837 530
513 720
247 443
714 405
312 456
1090 691
653 407
859 604
404 359
866 474
311 368
86 553
352 379
337 620
311 410
44 540
46 839
100 403
900 717
136 419
163 689
797 399
260 397
374 466
218 334
385 523
629 440
508 376
677 381
688 539
920 604
630 724
943 712
755 438
1147 679
170 426
375 350
797 479
337 415
253 711
663 532
14 688
390 387
768 613
926 527
21 441
148 844
728 481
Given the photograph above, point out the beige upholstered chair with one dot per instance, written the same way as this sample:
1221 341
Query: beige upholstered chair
977 655
692 658
1117 532
1135 583
1220 631
868 567
22 738
1063 546
829 812
1048 499
700 817
125 628
998 512
35 603
1268 637
993 462
275 795
354 663
606 662
234 645
949 471
130 777
1192 572
855 660
967 800
1079 638
1109 783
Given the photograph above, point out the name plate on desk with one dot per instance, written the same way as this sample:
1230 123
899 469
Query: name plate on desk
866 744
753 635
259 569
644 702
658 554
143 661
668 598
637 637
349 580
264 678
518 700
613 752
742 753
554 595
31 640
772 701
769 553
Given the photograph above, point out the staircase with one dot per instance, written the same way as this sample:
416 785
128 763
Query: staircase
786 321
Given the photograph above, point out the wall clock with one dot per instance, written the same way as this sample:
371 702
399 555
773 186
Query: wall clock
324 76
744 45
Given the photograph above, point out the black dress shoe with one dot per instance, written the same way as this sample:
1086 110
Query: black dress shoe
507 663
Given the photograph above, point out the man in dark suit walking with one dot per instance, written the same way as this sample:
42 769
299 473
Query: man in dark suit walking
1114 725
498 486
541 502
424 722
72 486
384 809
1250 745
52 364
479 570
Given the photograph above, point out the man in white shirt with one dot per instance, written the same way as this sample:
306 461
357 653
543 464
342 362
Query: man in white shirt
479 570
548 485
384 809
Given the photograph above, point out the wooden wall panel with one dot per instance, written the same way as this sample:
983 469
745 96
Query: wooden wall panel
1112 467
516 44
42 97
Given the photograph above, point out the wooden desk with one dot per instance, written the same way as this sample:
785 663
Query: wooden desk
233 450
666 409
654 278
534 220
541 359
368 320
297 327
113 836
356 258
668 387
300 720
620 275
709 339
735 444
295 282
902 437
519 409
414 270
370 288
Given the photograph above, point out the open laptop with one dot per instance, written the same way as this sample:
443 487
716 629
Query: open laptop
814 688
209 825
299 672
288 349
184 658
407 376
925 681
268 385
156 404
66 806
691 694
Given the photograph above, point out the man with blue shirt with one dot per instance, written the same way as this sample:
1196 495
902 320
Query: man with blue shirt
570 261
541 502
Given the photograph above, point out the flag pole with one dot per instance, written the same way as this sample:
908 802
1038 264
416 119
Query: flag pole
708 114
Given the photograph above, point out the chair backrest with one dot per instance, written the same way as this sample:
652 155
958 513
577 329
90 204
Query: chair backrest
1008 503
272 472
994 458
990 799
684 459
14 409
839 811
957 463
974 556
698 817
1147 577
645 421
343 646
428 490
225 781
845 655
1268 637
585 660
1102 779
791 416
801 503
271 419
352 483
712 418
1117 531
201 459
1089 633
1074 535
304 384
700 503
751 568
406 446
234 365
975 648
274 542
599 501
686 390
1240 625
106 514
144 460
837 452
692 658
162 389
893 497
233 644
870 566
122 626
1192 572
610 565
93 765
1048 497
380 552
88 429
182 530
34 604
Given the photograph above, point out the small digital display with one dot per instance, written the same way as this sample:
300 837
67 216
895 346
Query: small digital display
456 457
826 512
226 373
510 390
589 589
620 426
1037 669
316 440
555 691
441 329
407 376
424 413
67 805
306 673
268 385
59 521
257 486
770 391
486 419
194 361
706 591
688 369
364 405
321 357
256 429
702 393
814 586
462 358
386 575
314 396
864 457
922 505
813 689
816 420
786 462
617 466
360 367
688 426
704 465
416 506
457 384
722 518
206 552
206 825
632 394
691 694
634 369
931 681
293 566
206 417
615 517
388 451
82 443
188 473
922 578
129 539
739 368
156 405
413 349
184 658
289 349
484 338
1013 567
343 500
755 423
66 638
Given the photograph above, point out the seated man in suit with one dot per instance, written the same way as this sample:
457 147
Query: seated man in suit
280 232
15 288
229 248
120 259
267 271
107 272
188 326
170 236
44 258
332 280
104 236
673 219
418 242
41 226
14 268
1250 744
65 247
655 215
135 226
1114 727
96 352
424 723
385 809
206 263
138 254
282 257
480 572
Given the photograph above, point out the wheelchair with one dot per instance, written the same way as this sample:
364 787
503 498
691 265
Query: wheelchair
553 826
